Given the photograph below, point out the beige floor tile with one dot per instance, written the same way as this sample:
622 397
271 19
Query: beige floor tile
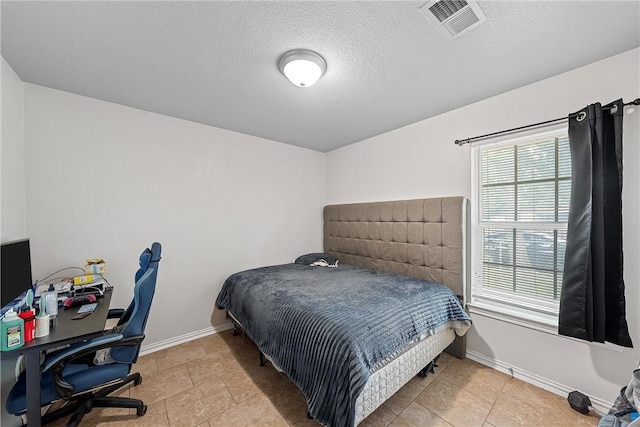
256 411
590 420
290 402
213 344
156 416
177 355
204 369
145 364
266 377
379 418
475 378
417 415
509 411
160 385
240 385
93 417
229 364
199 404
443 361
453 404
556 408
305 422
403 397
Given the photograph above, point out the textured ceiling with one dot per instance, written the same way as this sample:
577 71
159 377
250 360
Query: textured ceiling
216 62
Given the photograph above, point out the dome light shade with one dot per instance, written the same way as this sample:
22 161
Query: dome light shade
302 67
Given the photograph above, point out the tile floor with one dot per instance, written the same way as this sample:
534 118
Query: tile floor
216 381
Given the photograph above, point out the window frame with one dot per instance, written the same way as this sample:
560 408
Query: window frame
491 301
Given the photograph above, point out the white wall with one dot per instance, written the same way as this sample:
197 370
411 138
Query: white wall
13 225
13 221
104 180
421 160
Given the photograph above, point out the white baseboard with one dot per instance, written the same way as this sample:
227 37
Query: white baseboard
536 380
161 345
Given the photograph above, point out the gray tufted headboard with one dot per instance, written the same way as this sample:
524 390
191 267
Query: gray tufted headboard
423 238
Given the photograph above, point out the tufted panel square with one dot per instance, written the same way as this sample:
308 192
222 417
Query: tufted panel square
332 228
433 210
432 234
434 274
342 245
363 247
415 210
343 229
416 271
386 211
362 214
415 232
433 256
451 235
451 211
373 212
400 252
362 230
398 268
374 230
344 213
400 213
386 231
451 258
374 248
330 244
353 230
400 232
415 254
386 251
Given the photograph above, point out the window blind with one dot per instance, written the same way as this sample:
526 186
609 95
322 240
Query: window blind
521 196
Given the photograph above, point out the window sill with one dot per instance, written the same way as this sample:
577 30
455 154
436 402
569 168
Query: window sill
539 322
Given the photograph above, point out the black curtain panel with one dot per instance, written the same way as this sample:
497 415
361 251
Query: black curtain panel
592 302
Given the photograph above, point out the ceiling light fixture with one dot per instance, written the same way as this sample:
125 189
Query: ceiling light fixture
302 67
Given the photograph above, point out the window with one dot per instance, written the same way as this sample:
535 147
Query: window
520 202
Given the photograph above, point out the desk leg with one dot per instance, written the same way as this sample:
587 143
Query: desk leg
33 388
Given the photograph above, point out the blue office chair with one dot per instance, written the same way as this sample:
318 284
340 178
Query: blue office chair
67 375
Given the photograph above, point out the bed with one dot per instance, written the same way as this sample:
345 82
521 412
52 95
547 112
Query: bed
351 330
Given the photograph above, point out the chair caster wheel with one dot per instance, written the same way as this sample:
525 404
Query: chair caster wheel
141 411
137 381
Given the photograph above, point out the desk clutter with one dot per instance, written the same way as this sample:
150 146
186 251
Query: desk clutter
33 314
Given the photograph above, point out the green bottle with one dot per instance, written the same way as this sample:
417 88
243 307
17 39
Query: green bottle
12 331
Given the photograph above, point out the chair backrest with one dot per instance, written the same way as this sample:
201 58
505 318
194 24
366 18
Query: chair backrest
144 262
138 311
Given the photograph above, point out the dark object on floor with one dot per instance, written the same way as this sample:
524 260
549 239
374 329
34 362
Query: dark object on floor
579 402
429 369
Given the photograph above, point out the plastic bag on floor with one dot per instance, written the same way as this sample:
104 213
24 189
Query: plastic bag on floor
624 412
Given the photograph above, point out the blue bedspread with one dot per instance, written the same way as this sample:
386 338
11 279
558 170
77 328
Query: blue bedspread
326 328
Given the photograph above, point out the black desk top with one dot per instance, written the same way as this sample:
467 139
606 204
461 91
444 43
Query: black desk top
66 330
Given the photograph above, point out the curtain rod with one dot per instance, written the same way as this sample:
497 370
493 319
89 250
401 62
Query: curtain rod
469 140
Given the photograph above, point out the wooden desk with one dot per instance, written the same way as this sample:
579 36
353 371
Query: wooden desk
65 331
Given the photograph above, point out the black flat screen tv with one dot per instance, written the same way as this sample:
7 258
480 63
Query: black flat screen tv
15 268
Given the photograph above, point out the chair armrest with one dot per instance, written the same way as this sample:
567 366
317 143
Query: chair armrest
115 313
58 363
73 350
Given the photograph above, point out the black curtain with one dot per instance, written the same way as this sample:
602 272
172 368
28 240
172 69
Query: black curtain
592 302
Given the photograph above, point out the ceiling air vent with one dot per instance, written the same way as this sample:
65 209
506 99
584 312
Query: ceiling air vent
453 17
